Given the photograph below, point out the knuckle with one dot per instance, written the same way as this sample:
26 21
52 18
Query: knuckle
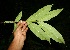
24 22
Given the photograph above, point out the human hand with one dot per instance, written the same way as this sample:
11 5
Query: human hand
19 36
20 32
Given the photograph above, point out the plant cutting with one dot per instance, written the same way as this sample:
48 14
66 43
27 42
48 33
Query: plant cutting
42 30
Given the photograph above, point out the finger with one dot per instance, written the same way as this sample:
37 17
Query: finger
20 26
24 27
19 22
24 22
24 33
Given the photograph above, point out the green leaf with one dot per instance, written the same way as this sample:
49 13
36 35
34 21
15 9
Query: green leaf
18 17
52 32
45 31
36 29
40 13
15 26
50 15
44 14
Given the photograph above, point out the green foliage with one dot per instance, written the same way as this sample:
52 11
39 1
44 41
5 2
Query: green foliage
44 31
18 17
16 20
15 26
36 29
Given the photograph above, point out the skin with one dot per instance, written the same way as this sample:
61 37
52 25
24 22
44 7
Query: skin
19 36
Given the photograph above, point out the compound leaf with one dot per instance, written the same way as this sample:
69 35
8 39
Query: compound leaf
45 31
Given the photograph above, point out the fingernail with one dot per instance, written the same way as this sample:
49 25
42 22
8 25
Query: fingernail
21 21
